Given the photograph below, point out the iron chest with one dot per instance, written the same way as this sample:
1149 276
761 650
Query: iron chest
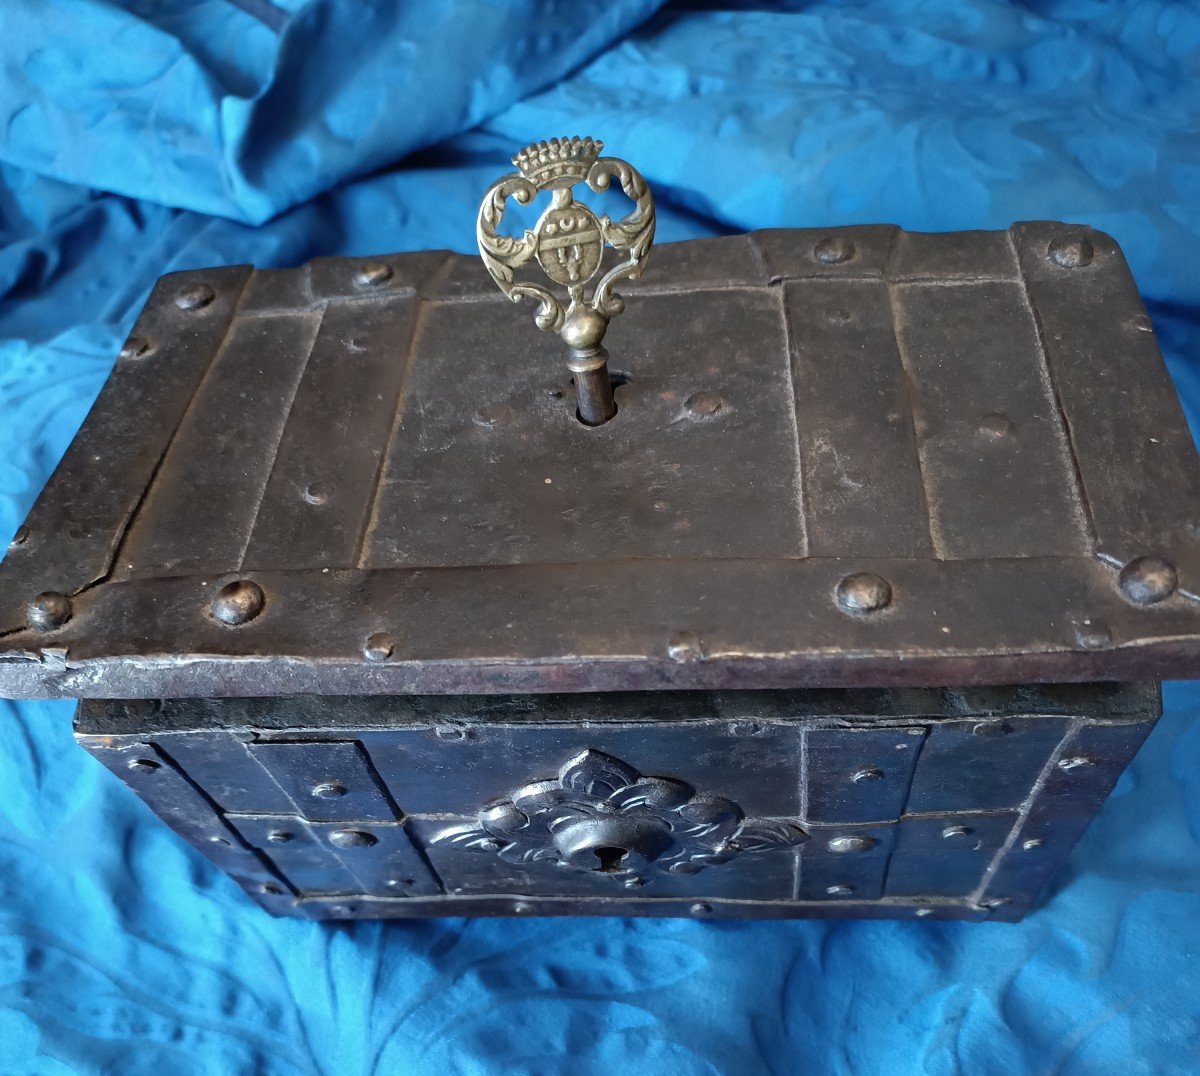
392 632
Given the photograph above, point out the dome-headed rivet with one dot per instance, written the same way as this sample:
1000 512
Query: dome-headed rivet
684 647
144 765
997 902
373 274
352 838
316 493
634 883
280 836
49 611
863 592
20 538
840 890
1148 580
747 728
1032 844
238 602
195 297
841 845
378 647
867 773
136 347
522 907
329 790
833 250
995 426
1071 251
956 833
703 404
494 414
701 909
1093 635
270 889
451 732
923 913
991 728
1075 762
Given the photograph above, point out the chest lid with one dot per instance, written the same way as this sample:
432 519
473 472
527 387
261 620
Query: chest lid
857 456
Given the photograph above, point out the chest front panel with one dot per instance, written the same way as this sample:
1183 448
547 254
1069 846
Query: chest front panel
744 803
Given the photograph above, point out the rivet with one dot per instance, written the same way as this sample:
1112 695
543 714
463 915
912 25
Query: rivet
48 611
840 890
867 773
833 250
747 728
863 592
956 833
378 647
997 902
1075 762
281 836
218 840
1093 635
922 913
136 347
1142 324
373 274
1148 580
238 602
352 838
329 790
339 909
494 414
841 845
195 297
703 404
995 425
684 647
1032 844
451 732
701 909
1071 251
144 765
316 493
271 889
839 315
21 537
522 907
634 883
991 728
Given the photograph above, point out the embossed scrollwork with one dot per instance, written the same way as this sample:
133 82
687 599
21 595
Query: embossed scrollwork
603 817
568 244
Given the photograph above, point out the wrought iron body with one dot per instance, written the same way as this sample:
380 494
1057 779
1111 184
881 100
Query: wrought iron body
405 607
902 803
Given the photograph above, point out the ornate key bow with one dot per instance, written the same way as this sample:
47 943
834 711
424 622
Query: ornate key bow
568 243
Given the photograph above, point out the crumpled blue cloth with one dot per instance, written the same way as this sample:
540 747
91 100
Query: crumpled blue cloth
142 137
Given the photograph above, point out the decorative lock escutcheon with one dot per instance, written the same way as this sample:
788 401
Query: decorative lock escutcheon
568 244
601 816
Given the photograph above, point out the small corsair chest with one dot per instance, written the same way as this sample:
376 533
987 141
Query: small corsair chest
391 613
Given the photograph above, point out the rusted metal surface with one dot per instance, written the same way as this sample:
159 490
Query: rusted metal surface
847 457
728 804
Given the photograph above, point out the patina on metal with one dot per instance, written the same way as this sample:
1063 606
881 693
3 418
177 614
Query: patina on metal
503 652
844 457
568 243
903 803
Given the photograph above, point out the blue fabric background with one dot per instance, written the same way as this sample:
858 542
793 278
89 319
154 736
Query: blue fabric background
143 136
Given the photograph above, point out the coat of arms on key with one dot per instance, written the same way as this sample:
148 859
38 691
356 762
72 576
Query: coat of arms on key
568 244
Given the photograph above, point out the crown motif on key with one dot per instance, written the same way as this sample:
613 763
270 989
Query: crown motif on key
558 161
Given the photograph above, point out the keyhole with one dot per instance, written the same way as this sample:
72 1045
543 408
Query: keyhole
610 859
